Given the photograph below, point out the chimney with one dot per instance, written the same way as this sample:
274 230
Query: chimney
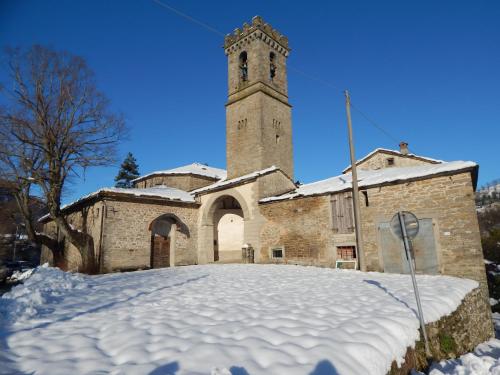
403 148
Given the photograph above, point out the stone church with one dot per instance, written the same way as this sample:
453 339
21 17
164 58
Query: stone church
255 212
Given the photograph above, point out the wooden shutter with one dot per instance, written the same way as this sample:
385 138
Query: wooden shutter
342 213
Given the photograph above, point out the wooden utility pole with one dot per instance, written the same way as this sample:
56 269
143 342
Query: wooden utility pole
355 190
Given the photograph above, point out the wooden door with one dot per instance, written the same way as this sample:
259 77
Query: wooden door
160 251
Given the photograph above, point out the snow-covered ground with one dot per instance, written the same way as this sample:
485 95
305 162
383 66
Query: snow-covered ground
485 360
217 319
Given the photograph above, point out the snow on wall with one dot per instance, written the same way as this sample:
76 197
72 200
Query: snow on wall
264 319
161 191
194 168
368 178
395 152
226 183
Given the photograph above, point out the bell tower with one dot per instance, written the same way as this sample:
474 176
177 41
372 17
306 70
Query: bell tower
258 115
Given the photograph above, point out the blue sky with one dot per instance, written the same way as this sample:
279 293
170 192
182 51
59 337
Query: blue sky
428 72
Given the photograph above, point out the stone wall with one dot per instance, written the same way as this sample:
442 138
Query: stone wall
258 63
186 182
449 202
93 215
246 195
453 335
275 183
258 116
379 160
303 227
125 243
258 135
127 234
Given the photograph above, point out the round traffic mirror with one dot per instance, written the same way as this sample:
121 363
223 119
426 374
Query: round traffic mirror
410 222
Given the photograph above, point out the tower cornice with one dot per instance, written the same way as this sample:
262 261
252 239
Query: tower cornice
258 86
257 30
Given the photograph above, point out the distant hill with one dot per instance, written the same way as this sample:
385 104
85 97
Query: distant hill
488 194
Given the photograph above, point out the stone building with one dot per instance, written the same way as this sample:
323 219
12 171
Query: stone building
196 214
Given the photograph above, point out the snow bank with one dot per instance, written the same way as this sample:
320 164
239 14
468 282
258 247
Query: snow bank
43 287
222 319
483 361
20 275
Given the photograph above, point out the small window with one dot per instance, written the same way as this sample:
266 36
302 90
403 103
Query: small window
278 253
277 138
390 162
346 252
365 194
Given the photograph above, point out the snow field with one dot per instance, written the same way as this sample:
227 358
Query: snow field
220 319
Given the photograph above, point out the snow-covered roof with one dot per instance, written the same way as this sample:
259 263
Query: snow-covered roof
196 169
237 180
368 178
161 191
394 152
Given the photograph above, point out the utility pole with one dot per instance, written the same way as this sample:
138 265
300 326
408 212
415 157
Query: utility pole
355 190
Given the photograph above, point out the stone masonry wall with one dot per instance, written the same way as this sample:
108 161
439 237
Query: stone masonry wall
258 135
449 202
72 255
453 335
127 235
275 183
303 226
379 161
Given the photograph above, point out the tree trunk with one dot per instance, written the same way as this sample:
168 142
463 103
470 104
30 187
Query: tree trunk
82 241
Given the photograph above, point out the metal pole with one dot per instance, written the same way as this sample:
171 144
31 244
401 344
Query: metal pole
355 190
401 216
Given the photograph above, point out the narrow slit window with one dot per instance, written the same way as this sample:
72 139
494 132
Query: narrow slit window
365 194
272 66
243 66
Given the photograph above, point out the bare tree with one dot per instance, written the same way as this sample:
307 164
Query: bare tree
55 125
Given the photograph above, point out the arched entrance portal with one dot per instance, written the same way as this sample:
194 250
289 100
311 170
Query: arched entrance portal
228 219
163 235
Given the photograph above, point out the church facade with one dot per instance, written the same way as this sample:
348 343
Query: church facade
255 212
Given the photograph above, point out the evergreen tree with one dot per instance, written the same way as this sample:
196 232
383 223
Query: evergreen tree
129 170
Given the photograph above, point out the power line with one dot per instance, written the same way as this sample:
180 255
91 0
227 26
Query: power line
290 67
312 78
189 18
374 123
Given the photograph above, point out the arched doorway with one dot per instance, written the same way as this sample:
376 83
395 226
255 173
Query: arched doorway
163 235
228 230
225 225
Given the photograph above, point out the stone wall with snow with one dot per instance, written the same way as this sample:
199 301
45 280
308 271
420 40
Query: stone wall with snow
452 335
447 202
